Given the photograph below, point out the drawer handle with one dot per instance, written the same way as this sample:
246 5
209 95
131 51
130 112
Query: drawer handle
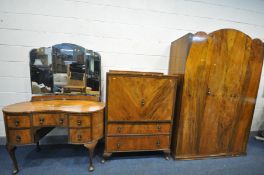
61 121
118 145
158 143
119 129
79 122
17 122
41 120
142 102
159 127
79 137
18 138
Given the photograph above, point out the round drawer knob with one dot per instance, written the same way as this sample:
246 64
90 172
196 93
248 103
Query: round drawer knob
18 138
158 143
41 120
61 121
79 137
17 122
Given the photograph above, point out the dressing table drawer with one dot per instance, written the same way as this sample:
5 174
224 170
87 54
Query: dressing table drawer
80 135
50 120
137 143
19 136
80 121
18 121
141 128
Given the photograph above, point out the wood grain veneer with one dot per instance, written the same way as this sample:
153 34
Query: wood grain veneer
140 108
220 78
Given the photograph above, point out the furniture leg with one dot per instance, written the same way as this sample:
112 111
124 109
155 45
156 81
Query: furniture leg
38 147
90 147
167 154
11 150
106 156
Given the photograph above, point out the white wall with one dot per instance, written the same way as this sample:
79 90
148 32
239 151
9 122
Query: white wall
129 34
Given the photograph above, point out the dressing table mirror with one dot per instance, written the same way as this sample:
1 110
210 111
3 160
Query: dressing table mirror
65 69
65 83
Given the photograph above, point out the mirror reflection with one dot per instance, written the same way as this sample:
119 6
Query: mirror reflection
65 69
41 70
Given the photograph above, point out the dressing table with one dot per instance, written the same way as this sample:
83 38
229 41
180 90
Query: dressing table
55 103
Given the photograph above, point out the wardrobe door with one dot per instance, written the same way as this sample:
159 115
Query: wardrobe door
229 56
245 113
194 95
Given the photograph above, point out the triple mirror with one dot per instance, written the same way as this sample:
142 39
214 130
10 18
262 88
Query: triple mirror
65 69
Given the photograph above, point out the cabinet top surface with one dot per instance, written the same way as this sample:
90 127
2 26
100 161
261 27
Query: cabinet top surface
74 106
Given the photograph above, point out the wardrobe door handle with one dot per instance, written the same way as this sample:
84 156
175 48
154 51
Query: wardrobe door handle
142 102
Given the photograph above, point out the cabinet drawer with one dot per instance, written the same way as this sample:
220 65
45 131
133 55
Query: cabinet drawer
80 120
144 128
19 136
137 143
18 121
80 135
50 120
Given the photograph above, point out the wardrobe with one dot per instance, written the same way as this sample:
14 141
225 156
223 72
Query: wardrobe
220 74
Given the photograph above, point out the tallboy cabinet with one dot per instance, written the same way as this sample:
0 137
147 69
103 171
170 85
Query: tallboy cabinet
220 75
139 112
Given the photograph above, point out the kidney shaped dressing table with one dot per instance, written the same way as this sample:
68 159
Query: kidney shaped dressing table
27 122
65 79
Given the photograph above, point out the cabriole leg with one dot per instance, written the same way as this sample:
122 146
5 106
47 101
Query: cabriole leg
37 146
90 147
11 150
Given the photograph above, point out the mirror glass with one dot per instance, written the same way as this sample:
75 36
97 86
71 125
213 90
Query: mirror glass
65 69
41 70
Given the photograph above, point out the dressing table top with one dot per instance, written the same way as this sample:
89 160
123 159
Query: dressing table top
73 106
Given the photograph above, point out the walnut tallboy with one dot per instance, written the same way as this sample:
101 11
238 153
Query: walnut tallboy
220 78
139 113
27 122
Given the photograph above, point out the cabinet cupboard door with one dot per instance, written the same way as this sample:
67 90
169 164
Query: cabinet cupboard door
134 98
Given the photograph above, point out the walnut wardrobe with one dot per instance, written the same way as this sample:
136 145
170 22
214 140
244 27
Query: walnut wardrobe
220 74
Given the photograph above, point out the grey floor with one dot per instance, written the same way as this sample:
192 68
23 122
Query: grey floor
72 160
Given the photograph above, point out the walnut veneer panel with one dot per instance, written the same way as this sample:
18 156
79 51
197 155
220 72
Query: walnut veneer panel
22 121
140 108
80 135
73 106
142 128
221 79
80 120
50 119
18 137
138 143
136 98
